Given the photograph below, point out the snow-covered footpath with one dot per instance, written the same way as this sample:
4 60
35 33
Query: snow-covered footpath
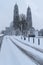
14 52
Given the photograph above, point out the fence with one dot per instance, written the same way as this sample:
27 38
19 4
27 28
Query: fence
36 40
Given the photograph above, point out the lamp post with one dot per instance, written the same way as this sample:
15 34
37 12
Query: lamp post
21 31
28 35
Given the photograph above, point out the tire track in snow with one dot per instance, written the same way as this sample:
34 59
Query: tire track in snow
40 50
36 59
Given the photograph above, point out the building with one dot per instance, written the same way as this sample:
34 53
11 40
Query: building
31 32
41 32
36 33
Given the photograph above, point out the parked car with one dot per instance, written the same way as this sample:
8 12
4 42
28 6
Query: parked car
31 35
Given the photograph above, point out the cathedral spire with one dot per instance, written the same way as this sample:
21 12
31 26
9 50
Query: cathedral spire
16 15
29 17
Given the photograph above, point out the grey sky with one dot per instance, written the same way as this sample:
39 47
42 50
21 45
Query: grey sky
7 7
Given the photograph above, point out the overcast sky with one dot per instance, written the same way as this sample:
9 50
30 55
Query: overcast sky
7 7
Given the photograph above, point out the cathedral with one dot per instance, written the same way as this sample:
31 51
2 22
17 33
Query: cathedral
21 23
28 17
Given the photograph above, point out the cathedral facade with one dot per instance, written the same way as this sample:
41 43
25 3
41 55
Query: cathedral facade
28 16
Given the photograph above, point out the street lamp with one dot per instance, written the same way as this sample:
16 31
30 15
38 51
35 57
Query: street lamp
21 31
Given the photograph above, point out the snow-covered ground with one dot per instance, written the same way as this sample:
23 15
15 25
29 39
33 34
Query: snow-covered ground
11 55
38 56
15 52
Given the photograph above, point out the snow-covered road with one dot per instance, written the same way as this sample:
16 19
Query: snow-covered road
38 49
14 52
11 55
32 53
